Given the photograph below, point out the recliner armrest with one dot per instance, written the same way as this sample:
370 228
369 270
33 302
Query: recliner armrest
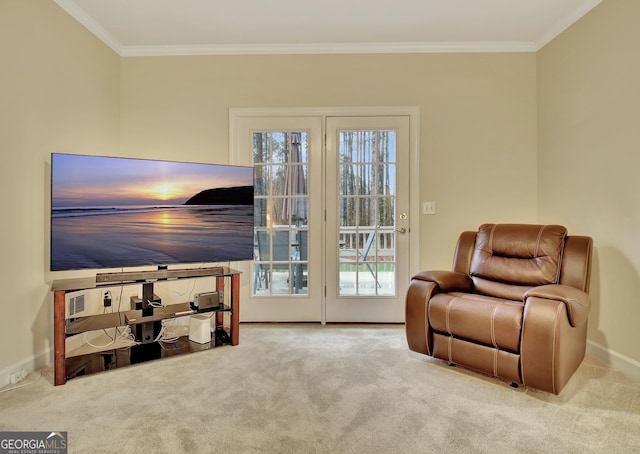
576 301
447 281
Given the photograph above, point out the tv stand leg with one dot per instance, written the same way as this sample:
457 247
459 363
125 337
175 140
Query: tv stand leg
234 299
59 343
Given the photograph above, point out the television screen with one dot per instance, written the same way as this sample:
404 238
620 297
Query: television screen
110 212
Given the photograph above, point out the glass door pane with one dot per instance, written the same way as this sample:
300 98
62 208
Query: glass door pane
367 179
281 200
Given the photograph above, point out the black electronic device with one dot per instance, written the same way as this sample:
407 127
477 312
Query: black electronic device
147 301
145 305
149 330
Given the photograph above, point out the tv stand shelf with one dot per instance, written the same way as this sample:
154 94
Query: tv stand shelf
66 367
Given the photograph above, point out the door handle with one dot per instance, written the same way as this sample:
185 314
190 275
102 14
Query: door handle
402 230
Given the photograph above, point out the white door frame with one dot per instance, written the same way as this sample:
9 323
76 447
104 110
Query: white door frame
413 112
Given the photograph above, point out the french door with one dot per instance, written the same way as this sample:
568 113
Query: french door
331 216
367 221
285 278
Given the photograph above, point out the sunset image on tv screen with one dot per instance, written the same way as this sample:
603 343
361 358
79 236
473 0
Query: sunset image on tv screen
109 212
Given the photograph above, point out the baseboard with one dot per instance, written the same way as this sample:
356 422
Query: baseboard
614 359
31 364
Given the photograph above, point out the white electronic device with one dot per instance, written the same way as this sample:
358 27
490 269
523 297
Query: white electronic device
200 329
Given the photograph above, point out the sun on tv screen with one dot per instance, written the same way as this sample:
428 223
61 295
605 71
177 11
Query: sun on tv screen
111 212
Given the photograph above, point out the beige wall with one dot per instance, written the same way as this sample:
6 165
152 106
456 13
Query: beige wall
478 120
59 92
589 112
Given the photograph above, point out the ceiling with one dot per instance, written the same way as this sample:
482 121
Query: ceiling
212 27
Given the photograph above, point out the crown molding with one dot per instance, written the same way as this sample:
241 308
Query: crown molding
327 48
566 22
72 9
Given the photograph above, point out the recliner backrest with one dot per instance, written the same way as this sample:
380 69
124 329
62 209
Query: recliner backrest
509 259
576 262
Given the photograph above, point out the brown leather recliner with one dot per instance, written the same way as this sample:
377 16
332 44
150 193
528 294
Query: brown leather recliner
515 305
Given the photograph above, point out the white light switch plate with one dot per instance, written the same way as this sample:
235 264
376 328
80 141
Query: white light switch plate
429 208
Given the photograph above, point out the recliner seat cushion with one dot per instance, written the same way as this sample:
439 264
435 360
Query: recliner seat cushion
491 321
489 360
524 255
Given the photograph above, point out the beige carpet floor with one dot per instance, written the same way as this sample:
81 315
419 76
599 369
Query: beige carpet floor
324 389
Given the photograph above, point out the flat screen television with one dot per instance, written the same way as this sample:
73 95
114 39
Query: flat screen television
112 212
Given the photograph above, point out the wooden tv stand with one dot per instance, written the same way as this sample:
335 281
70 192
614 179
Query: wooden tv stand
62 328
